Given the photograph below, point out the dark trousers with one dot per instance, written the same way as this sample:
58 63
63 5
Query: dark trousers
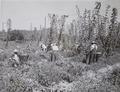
52 56
91 57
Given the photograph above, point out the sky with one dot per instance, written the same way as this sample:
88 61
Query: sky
23 13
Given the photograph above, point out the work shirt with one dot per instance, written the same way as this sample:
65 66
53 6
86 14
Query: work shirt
16 58
55 48
93 47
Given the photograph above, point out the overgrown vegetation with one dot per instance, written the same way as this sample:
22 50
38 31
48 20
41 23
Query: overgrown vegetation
68 73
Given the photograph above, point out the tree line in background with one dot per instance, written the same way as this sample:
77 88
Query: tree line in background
89 26
92 25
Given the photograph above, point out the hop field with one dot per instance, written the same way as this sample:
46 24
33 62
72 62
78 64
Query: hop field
68 74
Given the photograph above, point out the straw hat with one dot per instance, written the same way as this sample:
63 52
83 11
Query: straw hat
15 50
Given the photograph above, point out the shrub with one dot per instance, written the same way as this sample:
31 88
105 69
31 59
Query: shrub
15 35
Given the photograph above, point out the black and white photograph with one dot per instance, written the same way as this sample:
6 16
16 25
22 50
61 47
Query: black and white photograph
59 45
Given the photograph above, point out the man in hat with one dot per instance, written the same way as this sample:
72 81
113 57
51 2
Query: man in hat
15 58
53 52
93 50
92 57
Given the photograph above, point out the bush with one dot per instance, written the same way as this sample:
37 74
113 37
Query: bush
15 35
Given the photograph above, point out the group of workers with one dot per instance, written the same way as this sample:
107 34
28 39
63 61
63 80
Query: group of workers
91 56
16 56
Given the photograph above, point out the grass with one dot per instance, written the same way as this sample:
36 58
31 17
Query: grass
40 73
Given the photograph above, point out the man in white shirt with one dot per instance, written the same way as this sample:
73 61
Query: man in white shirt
92 56
93 46
54 47
93 52
53 52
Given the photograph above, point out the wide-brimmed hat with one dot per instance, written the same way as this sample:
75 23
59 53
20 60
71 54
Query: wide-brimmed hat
93 42
15 50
